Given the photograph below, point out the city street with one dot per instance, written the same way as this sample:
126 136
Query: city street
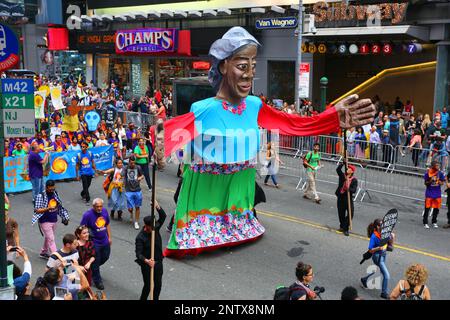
296 230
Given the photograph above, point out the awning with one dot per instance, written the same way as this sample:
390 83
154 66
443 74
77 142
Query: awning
404 32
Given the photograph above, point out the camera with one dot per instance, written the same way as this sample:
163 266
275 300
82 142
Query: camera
319 290
13 249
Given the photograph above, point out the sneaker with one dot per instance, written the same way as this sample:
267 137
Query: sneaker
136 225
384 296
426 226
44 256
306 197
435 225
364 283
99 286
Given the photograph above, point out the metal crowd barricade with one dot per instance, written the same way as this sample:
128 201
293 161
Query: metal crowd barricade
377 154
398 183
417 159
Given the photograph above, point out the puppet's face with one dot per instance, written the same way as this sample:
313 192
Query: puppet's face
238 72
92 120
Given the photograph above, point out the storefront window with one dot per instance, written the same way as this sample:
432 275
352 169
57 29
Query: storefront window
281 80
120 72
171 69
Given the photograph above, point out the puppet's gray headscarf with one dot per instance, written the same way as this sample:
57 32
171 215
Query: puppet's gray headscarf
233 40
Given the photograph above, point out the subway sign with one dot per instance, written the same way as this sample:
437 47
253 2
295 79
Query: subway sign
277 23
146 41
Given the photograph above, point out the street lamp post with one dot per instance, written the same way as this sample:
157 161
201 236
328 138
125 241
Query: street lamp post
299 55
323 93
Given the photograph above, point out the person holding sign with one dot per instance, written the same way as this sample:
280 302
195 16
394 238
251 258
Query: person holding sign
378 251
434 179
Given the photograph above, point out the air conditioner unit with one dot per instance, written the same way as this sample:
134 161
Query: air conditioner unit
308 24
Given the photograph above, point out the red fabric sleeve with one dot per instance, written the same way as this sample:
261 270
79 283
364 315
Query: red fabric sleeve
293 125
177 132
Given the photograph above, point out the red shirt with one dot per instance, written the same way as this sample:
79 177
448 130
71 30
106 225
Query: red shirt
162 115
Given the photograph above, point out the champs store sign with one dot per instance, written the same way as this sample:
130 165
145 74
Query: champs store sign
146 41
343 14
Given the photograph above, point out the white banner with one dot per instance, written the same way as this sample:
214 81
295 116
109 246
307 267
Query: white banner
57 102
39 103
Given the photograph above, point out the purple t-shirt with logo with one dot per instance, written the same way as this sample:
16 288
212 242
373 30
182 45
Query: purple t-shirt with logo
97 224
433 191
35 169
51 215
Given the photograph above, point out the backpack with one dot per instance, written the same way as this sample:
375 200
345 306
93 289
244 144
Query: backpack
413 295
307 160
284 293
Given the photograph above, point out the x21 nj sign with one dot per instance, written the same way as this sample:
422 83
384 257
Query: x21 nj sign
17 104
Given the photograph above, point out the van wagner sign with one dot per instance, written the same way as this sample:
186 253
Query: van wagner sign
393 13
146 41
276 23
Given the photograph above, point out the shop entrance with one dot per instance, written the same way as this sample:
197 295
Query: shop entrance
281 80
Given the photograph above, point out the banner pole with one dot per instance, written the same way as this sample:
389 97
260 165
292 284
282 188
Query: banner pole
152 270
349 202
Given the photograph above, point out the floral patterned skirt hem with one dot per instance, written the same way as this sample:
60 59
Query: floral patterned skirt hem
214 211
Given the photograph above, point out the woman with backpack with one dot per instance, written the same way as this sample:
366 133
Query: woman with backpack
114 188
413 287
378 256
311 162
300 290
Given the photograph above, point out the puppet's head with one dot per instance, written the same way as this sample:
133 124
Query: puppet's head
92 119
234 59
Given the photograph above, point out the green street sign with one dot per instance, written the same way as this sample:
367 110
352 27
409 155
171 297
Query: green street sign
17 101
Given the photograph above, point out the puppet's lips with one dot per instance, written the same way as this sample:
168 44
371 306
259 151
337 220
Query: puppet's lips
245 87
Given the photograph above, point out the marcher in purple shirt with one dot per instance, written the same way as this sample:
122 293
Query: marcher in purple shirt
36 170
132 136
434 179
97 220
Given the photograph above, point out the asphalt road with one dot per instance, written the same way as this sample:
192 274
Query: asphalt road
296 229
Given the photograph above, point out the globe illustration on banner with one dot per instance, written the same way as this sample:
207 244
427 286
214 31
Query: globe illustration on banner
59 165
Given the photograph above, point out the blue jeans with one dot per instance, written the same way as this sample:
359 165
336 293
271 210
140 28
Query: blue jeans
37 185
274 179
380 261
101 256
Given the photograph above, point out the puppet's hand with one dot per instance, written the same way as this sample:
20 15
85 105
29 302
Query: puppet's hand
354 112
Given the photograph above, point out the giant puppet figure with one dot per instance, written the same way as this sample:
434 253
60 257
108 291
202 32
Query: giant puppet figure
221 140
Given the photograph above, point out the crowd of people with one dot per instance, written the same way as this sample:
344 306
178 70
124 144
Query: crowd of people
66 129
